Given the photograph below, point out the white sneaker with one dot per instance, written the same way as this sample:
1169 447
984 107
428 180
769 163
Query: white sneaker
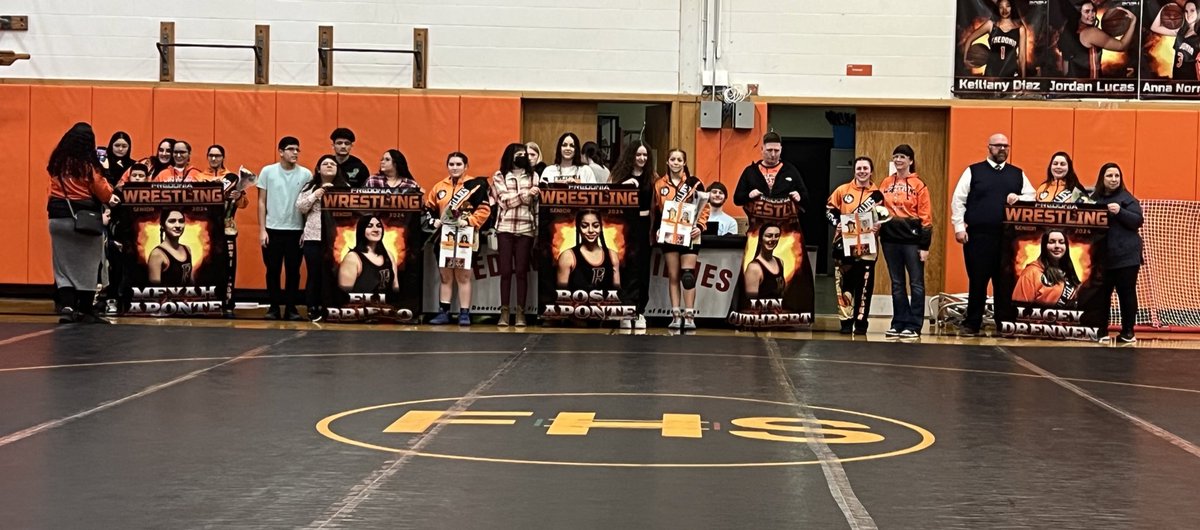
626 323
676 319
640 322
689 319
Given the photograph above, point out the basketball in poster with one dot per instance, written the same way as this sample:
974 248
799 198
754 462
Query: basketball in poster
1170 41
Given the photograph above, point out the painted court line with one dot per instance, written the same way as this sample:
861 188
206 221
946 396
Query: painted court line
835 476
52 424
1151 428
19 338
361 492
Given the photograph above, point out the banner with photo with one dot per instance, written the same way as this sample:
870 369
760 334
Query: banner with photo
178 237
373 247
587 241
1170 41
1052 258
1045 49
774 286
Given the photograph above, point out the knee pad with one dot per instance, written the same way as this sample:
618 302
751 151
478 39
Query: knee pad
688 279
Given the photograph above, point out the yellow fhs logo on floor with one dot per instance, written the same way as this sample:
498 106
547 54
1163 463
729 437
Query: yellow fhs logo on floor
594 429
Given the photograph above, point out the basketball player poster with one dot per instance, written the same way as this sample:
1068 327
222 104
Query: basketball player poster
774 286
1047 48
178 238
587 241
1170 42
373 239
1052 260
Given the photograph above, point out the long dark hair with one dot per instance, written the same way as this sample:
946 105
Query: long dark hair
623 169
506 160
75 155
1014 14
1183 30
592 151
360 236
558 158
1070 179
119 135
762 230
155 165
339 180
579 223
687 171
1101 190
400 163
1064 269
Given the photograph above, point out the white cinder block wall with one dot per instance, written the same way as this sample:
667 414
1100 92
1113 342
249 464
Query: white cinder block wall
788 47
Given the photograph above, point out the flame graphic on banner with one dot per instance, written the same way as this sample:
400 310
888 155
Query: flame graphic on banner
1028 251
1161 52
784 251
393 241
614 236
195 237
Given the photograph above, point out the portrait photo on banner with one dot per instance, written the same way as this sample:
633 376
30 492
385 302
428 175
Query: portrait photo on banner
374 255
775 283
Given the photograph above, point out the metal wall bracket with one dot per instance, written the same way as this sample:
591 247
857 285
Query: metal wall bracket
325 49
14 23
166 52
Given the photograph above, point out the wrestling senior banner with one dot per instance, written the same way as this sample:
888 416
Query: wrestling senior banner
774 283
1053 261
1042 49
373 250
586 242
179 239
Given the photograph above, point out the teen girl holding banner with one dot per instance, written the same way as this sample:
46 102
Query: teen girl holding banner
459 202
682 207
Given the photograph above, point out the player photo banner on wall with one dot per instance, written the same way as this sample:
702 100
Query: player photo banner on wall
178 238
587 242
1170 41
1052 260
1040 49
775 282
373 242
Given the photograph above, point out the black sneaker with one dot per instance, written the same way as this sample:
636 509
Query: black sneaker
315 314
272 313
1126 337
67 315
847 327
228 314
967 331
292 314
892 333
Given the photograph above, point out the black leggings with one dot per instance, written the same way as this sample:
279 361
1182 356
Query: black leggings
514 259
1124 280
314 256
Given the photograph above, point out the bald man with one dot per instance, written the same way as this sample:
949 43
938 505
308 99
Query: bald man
977 213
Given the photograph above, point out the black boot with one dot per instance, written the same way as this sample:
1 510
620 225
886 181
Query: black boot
86 309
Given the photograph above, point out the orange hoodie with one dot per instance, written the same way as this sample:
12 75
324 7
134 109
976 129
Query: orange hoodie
439 196
907 199
1031 288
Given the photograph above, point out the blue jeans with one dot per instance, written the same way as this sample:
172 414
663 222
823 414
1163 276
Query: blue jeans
908 312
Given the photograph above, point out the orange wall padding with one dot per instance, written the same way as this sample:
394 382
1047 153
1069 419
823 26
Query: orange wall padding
248 123
721 155
432 121
19 210
1164 150
1156 149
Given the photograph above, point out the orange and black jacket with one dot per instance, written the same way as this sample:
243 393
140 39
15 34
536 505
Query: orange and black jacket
907 200
474 204
665 191
850 198
174 174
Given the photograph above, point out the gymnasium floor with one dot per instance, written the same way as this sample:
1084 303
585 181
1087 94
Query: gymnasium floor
211 424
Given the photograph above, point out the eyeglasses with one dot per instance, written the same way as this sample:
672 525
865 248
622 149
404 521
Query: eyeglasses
182 152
